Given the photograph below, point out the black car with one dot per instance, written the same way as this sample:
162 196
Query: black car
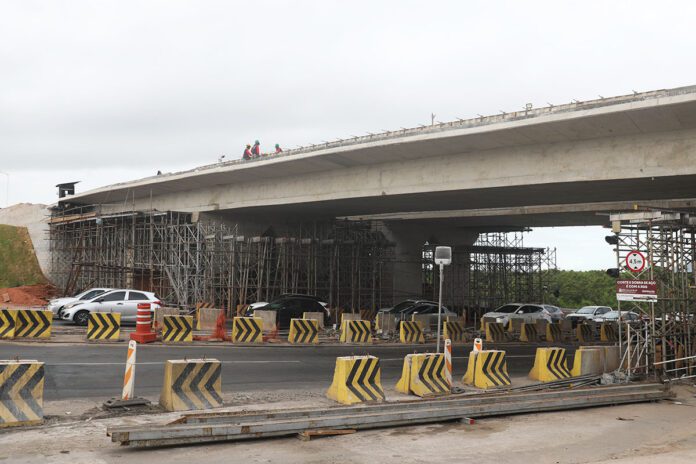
292 307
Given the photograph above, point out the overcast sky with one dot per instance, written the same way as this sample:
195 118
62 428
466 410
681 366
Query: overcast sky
106 91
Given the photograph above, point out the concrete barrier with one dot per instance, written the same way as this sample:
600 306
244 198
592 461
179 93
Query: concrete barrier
541 325
487 369
602 355
21 393
33 324
357 379
424 375
528 333
495 332
158 320
191 384
315 316
612 358
368 314
454 330
587 362
424 320
104 326
411 332
554 333
349 317
247 330
584 333
549 365
177 329
268 319
356 332
385 323
304 331
514 325
207 318
8 323
608 332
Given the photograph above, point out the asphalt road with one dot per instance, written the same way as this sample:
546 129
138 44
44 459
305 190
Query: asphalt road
96 371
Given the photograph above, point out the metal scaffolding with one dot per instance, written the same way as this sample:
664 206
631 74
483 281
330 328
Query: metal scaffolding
664 340
348 264
497 269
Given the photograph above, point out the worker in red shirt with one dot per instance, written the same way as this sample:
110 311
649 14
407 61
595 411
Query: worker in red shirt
256 149
247 153
278 149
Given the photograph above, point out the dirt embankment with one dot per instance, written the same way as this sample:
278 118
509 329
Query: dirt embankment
28 295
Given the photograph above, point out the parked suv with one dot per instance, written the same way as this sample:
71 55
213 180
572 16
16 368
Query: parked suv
292 307
526 312
57 304
587 313
123 301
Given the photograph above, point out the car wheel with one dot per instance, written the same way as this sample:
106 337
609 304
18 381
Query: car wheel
81 317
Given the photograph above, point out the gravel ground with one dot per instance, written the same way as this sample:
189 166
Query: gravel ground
661 432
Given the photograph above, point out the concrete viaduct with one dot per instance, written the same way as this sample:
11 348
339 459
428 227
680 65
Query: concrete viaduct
562 165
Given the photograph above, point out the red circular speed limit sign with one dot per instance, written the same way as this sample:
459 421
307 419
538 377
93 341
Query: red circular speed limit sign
635 261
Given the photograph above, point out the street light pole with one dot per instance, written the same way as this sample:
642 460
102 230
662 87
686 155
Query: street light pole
439 308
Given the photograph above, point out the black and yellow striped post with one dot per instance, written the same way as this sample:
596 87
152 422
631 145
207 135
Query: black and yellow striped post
411 332
356 332
424 375
584 334
357 379
21 393
247 330
454 330
554 332
528 333
549 365
177 329
608 332
8 323
33 324
104 326
495 332
487 369
191 384
303 331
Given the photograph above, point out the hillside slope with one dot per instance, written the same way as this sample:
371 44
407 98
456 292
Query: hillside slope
18 263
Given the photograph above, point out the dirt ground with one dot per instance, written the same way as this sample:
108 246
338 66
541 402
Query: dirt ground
663 432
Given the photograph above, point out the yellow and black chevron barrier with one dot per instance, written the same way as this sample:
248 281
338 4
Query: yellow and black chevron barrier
549 365
191 384
357 379
584 333
411 332
177 328
528 333
33 324
8 323
495 332
487 369
608 332
454 331
356 332
368 314
554 333
104 326
304 331
247 330
21 393
424 375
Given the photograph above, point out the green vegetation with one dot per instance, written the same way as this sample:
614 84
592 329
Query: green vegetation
574 289
18 263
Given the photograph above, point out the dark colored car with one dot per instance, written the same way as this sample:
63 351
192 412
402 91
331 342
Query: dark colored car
292 307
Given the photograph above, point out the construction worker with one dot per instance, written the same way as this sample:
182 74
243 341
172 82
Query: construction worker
278 149
247 153
256 149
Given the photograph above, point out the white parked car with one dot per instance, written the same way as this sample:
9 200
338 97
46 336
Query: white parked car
57 304
613 316
526 312
587 313
123 301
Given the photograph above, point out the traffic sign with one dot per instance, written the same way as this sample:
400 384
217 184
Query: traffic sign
635 261
636 290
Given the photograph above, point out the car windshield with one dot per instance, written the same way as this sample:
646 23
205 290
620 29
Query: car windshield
92 294
507 309
587 310
403 305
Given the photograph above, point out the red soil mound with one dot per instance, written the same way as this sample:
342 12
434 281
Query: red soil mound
29 295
